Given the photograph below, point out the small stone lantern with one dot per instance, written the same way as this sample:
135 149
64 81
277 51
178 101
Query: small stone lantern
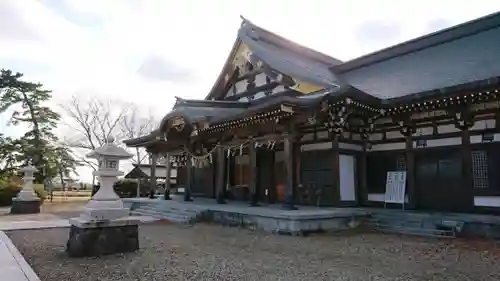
26 201
104 227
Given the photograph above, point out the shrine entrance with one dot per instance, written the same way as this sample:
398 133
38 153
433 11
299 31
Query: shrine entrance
438 180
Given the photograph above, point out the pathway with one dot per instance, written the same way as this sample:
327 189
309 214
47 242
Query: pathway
12 263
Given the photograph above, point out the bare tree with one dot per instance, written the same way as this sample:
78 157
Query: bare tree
133 125
94 120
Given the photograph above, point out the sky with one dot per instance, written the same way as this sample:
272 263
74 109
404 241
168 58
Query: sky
149 51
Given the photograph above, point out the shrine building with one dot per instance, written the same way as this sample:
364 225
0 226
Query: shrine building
286 124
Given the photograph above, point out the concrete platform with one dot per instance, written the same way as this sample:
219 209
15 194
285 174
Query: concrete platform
267 217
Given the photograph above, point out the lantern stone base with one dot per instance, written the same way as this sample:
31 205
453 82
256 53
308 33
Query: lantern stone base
25 206
88 238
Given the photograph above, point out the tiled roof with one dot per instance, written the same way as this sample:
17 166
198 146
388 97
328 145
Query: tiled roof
456 56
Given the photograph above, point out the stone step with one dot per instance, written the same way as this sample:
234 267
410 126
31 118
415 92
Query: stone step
168 214
187 212
169 217
417 231
172 211
162 213
414 224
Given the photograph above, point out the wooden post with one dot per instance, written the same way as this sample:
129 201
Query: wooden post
152 179
335 168
252 185
290 171
362 176
189 180
410 170
220 175
464 121
168 172
228 160
467 174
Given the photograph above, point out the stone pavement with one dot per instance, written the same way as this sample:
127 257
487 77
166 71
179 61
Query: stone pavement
12 263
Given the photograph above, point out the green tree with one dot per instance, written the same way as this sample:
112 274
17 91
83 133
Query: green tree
9 155
63 163
37 144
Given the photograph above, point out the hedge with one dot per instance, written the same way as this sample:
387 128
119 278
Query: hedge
128 188
9 189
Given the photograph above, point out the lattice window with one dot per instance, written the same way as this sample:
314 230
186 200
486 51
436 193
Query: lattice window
401 163
480 169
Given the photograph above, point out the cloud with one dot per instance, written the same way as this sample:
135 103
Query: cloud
438 24
13 26
72 13
156 68
377 33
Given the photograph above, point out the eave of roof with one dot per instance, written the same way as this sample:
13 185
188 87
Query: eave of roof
143 140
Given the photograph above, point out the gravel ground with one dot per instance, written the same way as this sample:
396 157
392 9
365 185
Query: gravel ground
48 211
209 252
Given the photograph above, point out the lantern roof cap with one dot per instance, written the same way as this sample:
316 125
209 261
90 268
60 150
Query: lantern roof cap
28 168
110 149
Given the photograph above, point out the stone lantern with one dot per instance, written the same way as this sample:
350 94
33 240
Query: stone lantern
104 227
26 201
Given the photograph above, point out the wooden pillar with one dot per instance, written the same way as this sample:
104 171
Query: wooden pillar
362 175
168 172
410 171
189 180
464 121
467 187
229 172
220 175
335 168
152 179
252 185
290 155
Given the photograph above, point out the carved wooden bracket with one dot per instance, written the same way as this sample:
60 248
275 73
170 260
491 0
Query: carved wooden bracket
407 127
337 117
463 120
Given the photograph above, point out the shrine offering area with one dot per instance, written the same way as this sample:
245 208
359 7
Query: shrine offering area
209 252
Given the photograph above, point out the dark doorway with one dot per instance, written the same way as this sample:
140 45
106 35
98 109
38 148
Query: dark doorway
438 180
317 178
203 182
265 175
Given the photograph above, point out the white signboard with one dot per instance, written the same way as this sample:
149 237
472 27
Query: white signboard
395 187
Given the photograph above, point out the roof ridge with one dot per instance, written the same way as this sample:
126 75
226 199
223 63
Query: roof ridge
296 47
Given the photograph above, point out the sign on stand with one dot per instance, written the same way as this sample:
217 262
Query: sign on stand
395 187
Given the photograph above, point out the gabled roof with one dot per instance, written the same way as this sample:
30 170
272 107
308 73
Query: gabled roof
460 55
198 110
281 55
144 171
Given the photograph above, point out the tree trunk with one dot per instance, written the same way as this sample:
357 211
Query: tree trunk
36 130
